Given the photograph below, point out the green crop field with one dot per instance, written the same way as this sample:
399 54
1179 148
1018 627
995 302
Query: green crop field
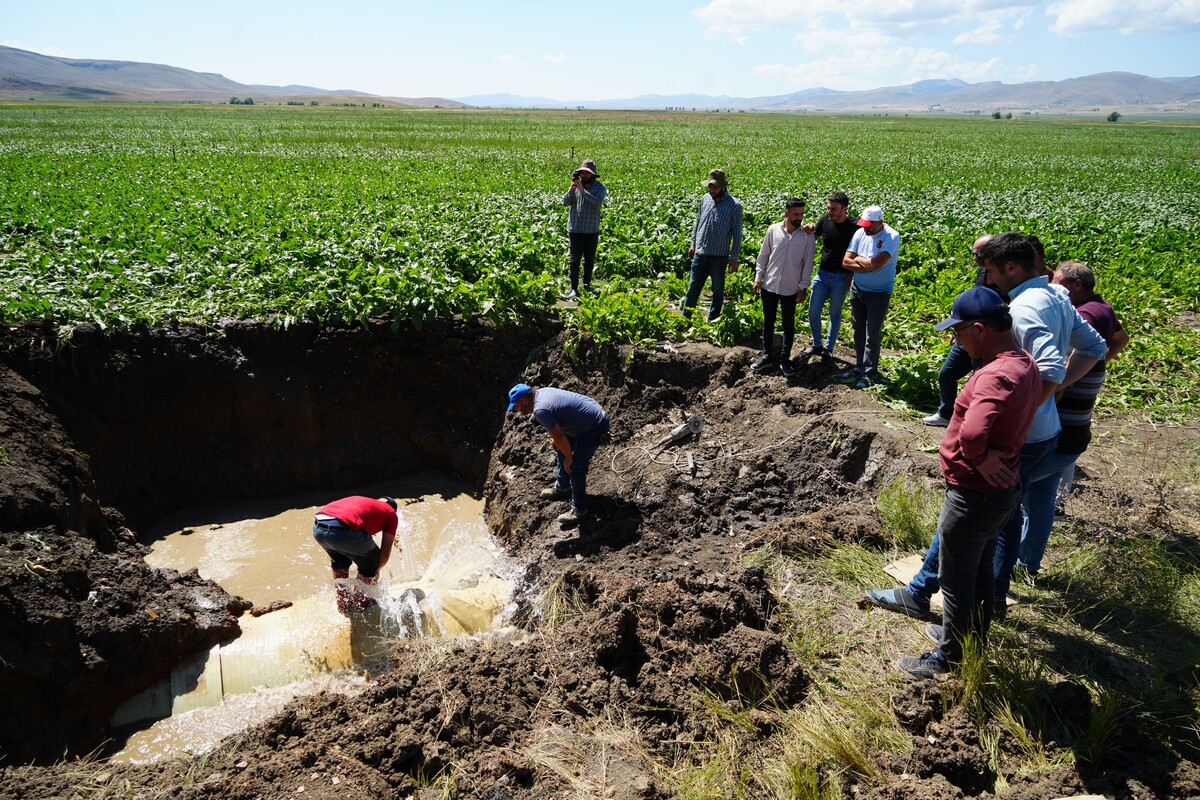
118 216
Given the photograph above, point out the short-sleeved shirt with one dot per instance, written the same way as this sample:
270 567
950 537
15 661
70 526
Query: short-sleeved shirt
835 238
574 413
363 514
992 412
868 246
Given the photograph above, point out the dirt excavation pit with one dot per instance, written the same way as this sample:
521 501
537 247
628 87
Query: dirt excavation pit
649 630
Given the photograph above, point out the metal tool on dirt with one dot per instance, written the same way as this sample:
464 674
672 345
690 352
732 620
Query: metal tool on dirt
691 427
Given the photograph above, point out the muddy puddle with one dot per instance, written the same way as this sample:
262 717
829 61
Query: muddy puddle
447 578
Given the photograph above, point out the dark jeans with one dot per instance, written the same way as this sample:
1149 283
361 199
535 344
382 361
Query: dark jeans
346 545
867 310
583 247
771 302
958 365
1008 545
704 267
968 526
583 447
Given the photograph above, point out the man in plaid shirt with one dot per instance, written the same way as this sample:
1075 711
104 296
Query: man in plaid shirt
716 243
585 197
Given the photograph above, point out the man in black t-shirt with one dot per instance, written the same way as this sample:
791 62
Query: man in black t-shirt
831 284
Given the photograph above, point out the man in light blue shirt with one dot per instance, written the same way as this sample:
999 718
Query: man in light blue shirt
716 243
871 256
1046 326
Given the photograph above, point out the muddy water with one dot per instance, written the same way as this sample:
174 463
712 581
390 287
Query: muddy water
446 577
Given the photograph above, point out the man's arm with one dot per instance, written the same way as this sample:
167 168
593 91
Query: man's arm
985 404
735 249
563 445
385 547
764 259
1119 340
595 195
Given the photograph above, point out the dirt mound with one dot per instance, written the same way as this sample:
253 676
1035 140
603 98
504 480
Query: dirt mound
651 633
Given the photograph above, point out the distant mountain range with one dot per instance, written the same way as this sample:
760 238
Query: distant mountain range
25 75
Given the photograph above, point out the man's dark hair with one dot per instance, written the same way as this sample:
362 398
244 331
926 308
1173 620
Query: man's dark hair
841 198
794 202
1000 323
1037 245
1010 246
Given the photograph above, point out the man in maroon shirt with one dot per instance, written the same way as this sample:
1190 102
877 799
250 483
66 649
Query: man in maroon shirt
981 460
344 529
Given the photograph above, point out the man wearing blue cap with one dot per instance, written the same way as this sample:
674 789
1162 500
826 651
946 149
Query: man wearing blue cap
577 426
980 457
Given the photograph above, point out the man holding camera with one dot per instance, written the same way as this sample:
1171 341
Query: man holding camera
585 197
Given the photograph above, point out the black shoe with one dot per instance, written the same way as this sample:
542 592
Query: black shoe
570 519
1000 611
764 363
785 367
934 631
813 350
899 601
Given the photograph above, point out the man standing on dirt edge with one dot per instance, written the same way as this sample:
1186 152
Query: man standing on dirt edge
835 229
716 243
344 529
585 197
980 457
871 256
577 426
1047 327
785 264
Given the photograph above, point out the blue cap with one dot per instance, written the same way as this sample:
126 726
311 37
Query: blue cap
516 393
976 303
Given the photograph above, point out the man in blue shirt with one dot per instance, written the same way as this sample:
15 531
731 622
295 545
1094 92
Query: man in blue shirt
871 256
577 426
585 197
716 243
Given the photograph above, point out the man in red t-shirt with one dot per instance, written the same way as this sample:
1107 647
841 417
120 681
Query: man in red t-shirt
344 529
981 462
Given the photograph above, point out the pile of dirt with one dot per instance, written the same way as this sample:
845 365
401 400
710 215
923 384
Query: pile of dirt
649 613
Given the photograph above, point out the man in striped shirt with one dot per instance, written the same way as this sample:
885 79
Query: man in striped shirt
716 243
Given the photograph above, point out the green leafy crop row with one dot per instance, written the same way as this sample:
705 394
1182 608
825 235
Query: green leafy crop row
121 215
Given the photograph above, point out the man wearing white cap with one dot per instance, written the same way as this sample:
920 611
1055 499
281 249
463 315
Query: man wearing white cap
871 256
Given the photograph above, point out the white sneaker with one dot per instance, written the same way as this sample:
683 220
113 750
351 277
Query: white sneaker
935 420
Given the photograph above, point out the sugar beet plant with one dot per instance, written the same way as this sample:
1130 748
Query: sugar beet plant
151 214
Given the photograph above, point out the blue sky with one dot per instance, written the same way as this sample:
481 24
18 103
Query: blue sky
594 51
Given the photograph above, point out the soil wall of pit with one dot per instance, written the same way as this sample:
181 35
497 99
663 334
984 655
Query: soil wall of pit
101 431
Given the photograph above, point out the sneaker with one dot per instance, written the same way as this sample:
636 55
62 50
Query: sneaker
852 375
1000 612
572 518
814 350
935 420
764 363
785 367
863 383
934 631
898 600
557 493
926 665
571 295
593 291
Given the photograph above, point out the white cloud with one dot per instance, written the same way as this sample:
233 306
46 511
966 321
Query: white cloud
508 58
1077 17
559 58
881 67
46 51
986 33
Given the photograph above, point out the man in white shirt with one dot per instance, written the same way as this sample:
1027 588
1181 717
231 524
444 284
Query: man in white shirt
871 256
785 265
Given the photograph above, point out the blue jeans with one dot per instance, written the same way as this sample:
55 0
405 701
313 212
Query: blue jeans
1039 512
831 287
704 267
925 583
958 365
346 545
583 447
867 310
968 526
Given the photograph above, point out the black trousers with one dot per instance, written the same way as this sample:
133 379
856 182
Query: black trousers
583 247
771 302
